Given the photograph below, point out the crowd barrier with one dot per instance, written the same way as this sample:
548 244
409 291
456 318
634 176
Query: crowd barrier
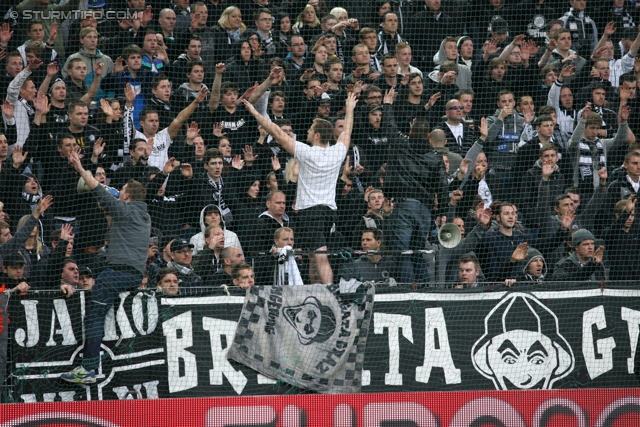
553 336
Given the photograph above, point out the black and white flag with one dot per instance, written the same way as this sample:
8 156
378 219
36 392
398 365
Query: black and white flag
307 336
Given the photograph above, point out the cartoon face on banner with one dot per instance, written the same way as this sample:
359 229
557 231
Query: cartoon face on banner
522 347
312 321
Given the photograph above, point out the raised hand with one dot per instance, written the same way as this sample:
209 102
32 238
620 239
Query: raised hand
149 146
528 115
249 157
357 73
456 196
34 64
42 103
597 255
249 106
186 170
66 233
551 45
5 33
202 94
464 166
44 204
484 128
602 173
351 101
432 100
566 220
490 47
348 168
119 66
568 70
275 163
520 253
170 166
610 28
547 170
624 112
161 54
98 147
193 131
247 94
18 156
106 108
307 74
509 282
220 68
631 203
483 216
237 163
389 96
7 109
217 130
405 80
147 16
53 33
52 69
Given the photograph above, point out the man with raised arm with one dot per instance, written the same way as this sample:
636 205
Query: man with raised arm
126 262
319 167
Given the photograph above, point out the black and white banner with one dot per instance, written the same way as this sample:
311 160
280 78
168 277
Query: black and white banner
158 346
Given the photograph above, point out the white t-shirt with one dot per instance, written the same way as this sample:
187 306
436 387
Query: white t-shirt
160 151
318 170
458 133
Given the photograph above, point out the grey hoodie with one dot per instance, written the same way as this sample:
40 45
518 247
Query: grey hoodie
230 238
531 255
502 142
463 81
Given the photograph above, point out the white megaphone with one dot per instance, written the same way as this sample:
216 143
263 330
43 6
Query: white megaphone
449 235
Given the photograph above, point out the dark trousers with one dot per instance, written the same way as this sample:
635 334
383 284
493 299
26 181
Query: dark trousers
104 293
409 227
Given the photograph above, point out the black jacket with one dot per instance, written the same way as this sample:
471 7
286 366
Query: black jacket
570 269
415 170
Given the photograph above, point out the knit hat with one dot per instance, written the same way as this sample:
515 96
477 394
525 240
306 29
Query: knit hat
580 236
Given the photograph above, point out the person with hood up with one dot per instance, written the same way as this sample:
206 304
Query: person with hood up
210 215
531 268
449 52
585 263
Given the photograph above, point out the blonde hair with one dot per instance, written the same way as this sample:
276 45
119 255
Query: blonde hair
338 11
38 243
300 19
289 169
224 19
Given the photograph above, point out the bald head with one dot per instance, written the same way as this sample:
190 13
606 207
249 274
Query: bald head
438 139
167 20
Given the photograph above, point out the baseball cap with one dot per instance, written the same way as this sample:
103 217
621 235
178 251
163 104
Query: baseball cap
85 271
13 259
499 25
180 244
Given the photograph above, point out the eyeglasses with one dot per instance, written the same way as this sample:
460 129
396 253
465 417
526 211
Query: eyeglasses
456 107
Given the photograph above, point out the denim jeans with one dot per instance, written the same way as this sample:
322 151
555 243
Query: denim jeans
409 227
108 286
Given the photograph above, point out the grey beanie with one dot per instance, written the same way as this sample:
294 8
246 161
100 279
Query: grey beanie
580 236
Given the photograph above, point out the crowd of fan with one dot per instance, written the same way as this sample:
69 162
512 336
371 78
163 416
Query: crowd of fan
513 120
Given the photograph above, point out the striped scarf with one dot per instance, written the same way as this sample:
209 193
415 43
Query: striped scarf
591 158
